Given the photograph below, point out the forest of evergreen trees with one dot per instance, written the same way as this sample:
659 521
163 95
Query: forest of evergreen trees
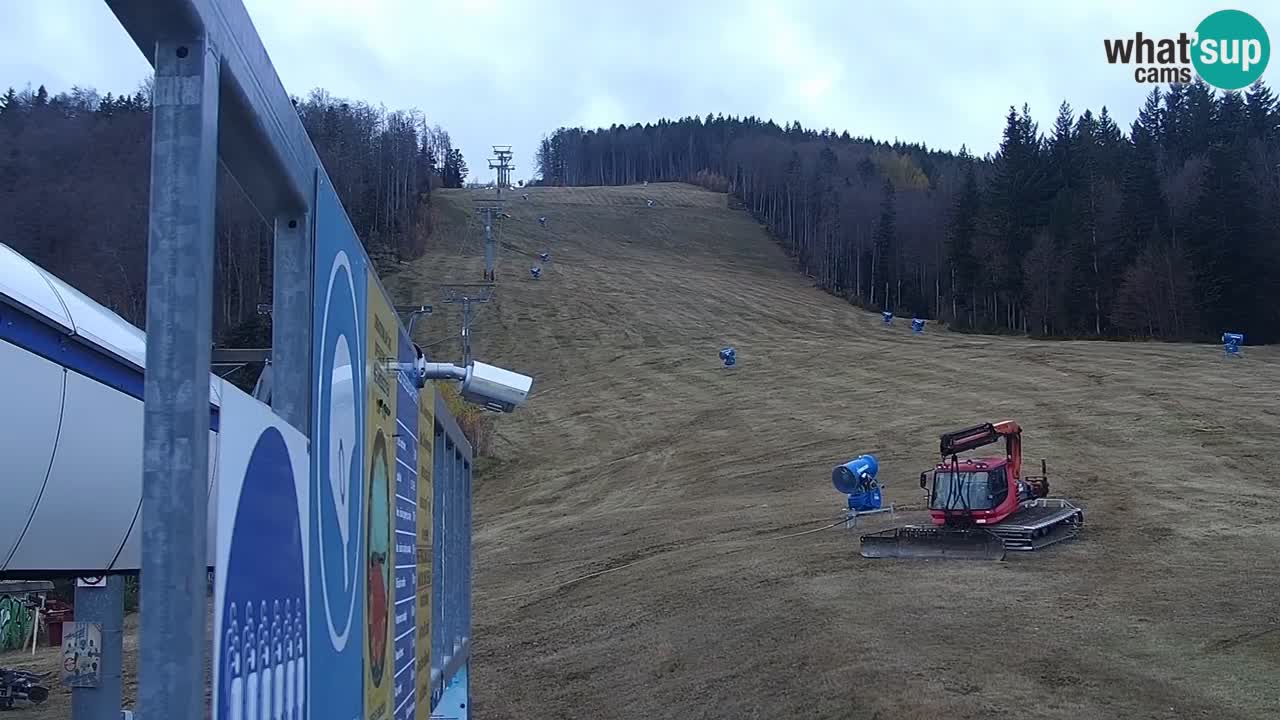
75 173
1169 230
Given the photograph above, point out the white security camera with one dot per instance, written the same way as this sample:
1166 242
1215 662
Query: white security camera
495 388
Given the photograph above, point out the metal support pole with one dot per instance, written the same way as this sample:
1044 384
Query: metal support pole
488 245
103 605
490 211
466 333
467 318
453 554
455 699
439 543
175 465
291 322
465 468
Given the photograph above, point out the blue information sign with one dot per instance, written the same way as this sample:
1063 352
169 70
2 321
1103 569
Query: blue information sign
406 531
338 430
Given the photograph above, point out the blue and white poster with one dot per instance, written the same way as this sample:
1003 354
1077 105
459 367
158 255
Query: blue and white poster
262 651
337 485
406 526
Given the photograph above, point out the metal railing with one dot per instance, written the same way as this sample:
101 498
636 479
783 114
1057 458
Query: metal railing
219 98
451 564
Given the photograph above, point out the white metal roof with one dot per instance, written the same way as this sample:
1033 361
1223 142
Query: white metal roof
25 284
45 295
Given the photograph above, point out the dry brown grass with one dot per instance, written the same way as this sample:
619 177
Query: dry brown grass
637 446
476 423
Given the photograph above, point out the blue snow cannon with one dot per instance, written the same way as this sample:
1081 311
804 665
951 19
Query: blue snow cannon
888 317
542 220
857 479
729 357
544 256
1231 343
917 326
536 272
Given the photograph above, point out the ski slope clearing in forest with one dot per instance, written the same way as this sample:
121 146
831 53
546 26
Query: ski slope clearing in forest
640 455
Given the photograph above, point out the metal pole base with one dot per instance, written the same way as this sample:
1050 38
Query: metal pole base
455 702
103 606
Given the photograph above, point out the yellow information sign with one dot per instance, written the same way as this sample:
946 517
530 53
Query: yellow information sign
426 454
381 337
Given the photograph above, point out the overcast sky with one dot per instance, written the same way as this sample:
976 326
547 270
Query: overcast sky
508 72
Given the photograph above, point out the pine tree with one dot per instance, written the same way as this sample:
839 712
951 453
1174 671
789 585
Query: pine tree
1111 143
827 218
1263 112
1015 204
1143 211
1222 245
961 233
885 240
1063 222
427 156
1231 124
1146 128
1062 148
461 167
455 169
1173 126
1201 108
866 168
1085 288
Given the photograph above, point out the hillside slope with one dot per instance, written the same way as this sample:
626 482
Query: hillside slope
638 454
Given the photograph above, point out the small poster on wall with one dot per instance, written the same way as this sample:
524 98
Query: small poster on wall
81 654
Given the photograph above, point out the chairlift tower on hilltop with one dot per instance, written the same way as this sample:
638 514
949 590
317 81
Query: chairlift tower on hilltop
502 165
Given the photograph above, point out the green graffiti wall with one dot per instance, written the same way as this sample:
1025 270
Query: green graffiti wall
15 621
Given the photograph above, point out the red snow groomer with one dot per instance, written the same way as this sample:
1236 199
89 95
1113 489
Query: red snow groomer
981 506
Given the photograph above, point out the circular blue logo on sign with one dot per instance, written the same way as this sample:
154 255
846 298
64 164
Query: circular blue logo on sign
264 619
339 452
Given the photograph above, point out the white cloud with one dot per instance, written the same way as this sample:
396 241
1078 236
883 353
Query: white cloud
507 71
